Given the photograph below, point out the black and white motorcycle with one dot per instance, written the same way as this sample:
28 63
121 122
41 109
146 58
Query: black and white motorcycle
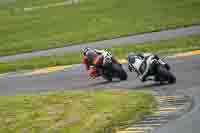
159 71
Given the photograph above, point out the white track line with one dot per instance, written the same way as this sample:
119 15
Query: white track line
68 2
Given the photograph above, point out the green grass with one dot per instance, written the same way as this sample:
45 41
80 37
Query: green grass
161 48
90 20
73 111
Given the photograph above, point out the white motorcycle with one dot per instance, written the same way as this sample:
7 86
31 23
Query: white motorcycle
159 70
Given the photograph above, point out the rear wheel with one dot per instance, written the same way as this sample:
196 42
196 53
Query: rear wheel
166 75
119 72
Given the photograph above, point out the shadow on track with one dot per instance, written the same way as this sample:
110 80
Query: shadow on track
150 86
104 82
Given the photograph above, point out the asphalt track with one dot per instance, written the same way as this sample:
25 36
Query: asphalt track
187 70
135 39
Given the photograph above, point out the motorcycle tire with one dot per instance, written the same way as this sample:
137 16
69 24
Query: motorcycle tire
120 72
166 75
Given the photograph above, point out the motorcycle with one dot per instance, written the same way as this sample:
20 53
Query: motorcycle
111 68
159 71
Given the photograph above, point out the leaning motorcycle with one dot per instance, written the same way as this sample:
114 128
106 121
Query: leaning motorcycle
112 68
159 69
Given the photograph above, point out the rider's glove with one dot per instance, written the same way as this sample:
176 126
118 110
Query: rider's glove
130 68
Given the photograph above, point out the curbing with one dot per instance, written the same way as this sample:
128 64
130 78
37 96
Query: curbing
152 122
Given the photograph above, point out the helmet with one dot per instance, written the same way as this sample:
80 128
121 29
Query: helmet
131 57
85 50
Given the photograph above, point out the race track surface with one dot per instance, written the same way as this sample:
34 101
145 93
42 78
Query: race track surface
135 39
186 69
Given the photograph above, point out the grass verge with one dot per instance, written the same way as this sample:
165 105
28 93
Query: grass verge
73 111
162 47
90 20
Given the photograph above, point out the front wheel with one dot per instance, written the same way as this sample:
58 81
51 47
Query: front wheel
166 75
119 72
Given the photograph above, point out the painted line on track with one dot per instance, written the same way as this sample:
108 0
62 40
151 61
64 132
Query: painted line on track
69 2
186 54
123 61
179 55
48 70
195 52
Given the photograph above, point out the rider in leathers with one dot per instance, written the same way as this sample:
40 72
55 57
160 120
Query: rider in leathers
93 60
142 64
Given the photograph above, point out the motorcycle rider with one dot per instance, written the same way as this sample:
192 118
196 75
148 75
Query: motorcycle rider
142 64
93 60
